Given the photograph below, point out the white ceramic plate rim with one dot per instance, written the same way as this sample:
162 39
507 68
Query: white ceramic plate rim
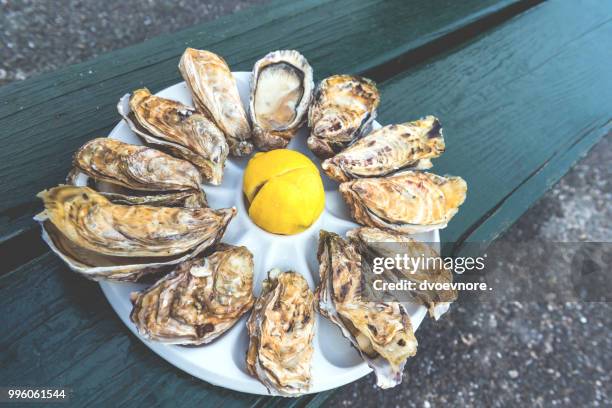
209 365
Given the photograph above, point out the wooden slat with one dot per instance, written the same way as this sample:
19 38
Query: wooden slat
45 119
58 330
519 107
51 309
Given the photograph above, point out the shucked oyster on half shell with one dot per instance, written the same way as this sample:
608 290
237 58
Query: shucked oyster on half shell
342 110
407 202
381 331
134 167
281 329
388 149
215 94
200 300
376 243
281 91
103 240
177 128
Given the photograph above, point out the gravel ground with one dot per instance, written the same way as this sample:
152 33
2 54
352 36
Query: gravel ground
548 353
41 35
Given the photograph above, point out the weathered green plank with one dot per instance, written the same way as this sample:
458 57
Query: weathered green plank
519 107
58 330
70 106
42 121
378 29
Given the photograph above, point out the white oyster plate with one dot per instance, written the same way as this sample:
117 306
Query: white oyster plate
222 362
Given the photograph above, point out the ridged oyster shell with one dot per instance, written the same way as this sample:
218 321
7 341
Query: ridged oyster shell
388 149
281 329
381 331
376 243
103 240
135 167
342 110
200 300
128 196
215 94
177 128
281 91
186 199
407 202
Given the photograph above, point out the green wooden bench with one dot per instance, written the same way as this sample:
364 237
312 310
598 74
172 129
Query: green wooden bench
523 89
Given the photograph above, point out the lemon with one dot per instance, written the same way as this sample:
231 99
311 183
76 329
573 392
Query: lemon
284 191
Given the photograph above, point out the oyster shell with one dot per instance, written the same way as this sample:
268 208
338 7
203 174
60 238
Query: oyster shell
200 300
102 240
342 110
215 93
376 243
186 199
177 128
281 329
407 202
388 149
281 91
381 331
122 195
135 167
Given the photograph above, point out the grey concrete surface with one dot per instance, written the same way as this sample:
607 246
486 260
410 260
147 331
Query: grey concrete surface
546 353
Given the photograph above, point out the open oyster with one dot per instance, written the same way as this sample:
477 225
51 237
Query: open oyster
281 329
200 300
103 240
381 331
375 243
342 110
408 202
281 90
177 128
388 149
215 93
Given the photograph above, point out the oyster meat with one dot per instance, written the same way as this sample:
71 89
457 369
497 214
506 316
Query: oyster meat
103 240
388 149
281 329
376 243
177 128
200 300
281 91
342 110
215 94
407 202
381 331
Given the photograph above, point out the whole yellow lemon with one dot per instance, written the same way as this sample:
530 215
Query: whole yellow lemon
284 191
